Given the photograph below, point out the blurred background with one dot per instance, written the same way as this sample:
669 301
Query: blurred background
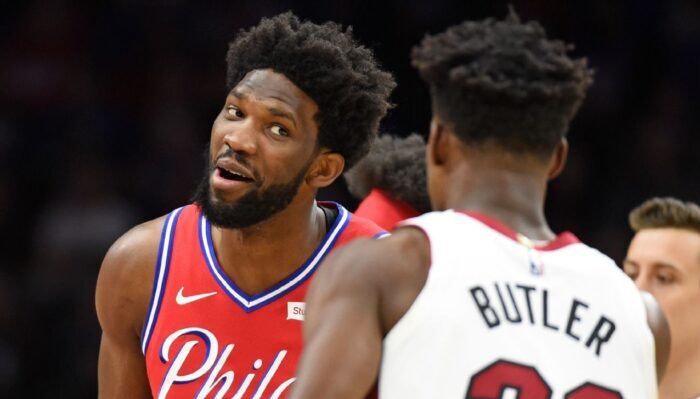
105 111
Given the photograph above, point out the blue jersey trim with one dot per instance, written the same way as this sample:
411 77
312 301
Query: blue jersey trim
160 278
251 302
381 234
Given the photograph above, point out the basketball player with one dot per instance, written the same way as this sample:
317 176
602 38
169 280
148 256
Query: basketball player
482 300
390 180
222 317
664 259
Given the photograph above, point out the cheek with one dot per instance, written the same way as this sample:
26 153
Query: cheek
680 303
682 314
217 131
283 164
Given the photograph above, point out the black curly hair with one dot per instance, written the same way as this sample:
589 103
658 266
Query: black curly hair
503 83
396 166
327 64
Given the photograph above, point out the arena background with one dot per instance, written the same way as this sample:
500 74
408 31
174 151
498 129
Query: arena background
105 111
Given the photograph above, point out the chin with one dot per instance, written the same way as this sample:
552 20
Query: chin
229 195
219 199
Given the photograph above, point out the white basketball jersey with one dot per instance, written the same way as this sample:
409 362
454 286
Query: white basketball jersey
499 318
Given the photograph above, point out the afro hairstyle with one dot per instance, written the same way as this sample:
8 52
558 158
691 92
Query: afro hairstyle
503 83
326 63
396 166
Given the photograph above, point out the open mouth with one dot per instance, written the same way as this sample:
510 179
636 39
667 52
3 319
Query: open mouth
229 175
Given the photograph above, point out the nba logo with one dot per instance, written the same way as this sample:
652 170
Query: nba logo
536 265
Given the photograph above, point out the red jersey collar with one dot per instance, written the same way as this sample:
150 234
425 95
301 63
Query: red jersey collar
560 241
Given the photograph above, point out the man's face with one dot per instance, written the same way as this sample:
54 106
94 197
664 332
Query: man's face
262 144
666 263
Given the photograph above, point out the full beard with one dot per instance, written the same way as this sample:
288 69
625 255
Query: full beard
254 207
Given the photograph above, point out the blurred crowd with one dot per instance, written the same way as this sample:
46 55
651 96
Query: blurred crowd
105 111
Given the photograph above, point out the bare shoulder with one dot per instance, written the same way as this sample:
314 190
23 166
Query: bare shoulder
394 268
402 252
126 275
121 298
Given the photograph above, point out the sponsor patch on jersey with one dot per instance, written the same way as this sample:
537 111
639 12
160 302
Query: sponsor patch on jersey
295 310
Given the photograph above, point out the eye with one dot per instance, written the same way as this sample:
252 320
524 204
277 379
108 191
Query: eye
278 130
233 111
664 278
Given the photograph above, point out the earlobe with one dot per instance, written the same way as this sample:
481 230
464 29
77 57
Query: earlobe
558 160
327 167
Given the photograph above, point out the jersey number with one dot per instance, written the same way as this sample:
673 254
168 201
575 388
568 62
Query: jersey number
491 382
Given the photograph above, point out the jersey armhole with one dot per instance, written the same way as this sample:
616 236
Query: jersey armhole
424 233
160 277
412 319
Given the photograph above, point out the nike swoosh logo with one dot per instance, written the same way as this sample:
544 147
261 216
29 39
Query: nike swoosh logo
184 300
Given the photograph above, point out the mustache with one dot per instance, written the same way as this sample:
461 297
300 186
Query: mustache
230 153
240 158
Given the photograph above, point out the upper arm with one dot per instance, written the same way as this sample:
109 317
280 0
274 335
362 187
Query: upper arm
662 335
350 307
342 335
121 299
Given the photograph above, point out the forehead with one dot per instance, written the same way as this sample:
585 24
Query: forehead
267 85
670 245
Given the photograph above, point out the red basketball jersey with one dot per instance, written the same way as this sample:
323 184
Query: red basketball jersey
204 337
384 210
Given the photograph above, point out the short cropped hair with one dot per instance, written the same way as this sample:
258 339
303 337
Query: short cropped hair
326 63
396 166
503 83
665 212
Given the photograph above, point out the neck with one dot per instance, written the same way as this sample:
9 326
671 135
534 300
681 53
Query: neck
514 196
681 381
257 257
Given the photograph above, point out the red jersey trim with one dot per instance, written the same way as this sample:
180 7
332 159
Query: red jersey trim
251 302
560 241
165 249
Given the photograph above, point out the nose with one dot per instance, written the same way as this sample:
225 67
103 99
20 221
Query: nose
241 138
642 282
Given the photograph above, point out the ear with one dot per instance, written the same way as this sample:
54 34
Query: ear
558 160
325 169
437 143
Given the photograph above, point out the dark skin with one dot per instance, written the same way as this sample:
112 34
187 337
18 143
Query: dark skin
356 300
269 121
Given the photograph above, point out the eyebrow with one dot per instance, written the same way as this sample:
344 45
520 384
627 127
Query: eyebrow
238 94
663 265
274 111
282 114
